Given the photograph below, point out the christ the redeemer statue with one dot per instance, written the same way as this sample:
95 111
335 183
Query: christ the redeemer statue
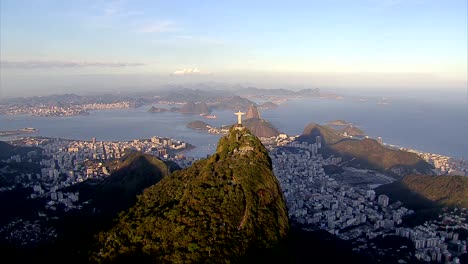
239 115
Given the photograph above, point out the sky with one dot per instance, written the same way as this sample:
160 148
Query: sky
51 46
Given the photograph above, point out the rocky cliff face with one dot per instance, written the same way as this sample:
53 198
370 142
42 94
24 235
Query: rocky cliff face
252 112
261 127
215 211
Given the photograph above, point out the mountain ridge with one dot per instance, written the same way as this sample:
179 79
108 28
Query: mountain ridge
367 153
216 210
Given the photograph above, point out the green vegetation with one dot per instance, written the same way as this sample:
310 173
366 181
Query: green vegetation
425 208
365 153
130 175
328 134
371 154
428 194
217 210
445 190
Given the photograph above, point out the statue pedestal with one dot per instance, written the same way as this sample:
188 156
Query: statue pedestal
239 127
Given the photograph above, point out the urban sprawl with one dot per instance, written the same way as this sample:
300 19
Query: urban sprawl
315 200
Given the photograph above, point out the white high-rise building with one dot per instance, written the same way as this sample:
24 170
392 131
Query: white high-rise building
383 200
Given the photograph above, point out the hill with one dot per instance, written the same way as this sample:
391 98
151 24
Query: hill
217 210
328 134
252 112
365 153
369 153
353 131
427 194
200 125
338 122
261 127
342 127
444 190
131 174
157 110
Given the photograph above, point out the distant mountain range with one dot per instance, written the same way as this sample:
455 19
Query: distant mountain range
216 98
194 108
252 91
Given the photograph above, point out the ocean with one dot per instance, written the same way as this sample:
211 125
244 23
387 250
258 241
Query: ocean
430 127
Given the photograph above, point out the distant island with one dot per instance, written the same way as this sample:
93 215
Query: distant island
157 110
199 125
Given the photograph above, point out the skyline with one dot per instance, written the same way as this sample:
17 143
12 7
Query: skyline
417 44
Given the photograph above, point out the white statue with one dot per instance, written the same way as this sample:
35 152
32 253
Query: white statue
239 115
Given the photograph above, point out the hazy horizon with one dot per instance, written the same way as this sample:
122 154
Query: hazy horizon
428 88
50 47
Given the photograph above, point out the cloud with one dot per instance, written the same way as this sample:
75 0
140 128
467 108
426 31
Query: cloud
158 27
188 71
200 39
117 8
64 64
